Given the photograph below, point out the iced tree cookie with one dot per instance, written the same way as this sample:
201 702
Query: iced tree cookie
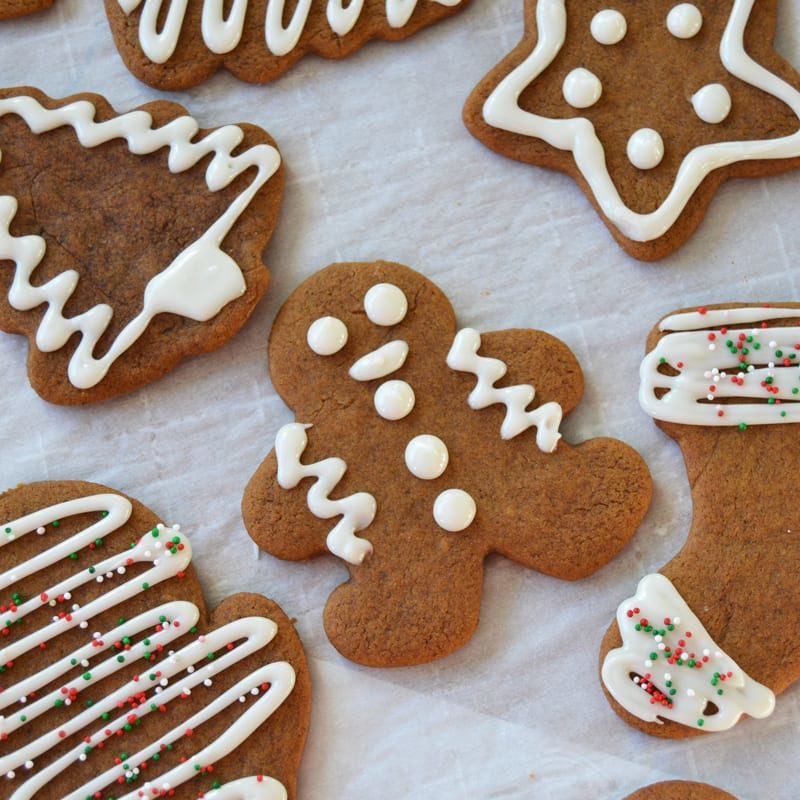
680 790
127 241
418 450
19 8
691 650
116 681
256 40
649 106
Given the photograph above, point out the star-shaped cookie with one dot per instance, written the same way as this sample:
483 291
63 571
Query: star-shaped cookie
649 106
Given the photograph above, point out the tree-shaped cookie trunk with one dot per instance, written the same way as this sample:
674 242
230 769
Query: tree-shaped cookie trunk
116 679
390 468
738 566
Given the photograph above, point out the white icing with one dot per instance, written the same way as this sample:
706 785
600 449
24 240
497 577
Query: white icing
712 103
221 36
454 510
645 148
502 110
357 510
381 362
385 304
684 20
702 363
426 456
463 357
394 400
150 631
326 336
609 26
657 600
582 88
197 284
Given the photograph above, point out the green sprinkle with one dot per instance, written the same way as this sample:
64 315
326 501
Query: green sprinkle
56 523
742 426
700 723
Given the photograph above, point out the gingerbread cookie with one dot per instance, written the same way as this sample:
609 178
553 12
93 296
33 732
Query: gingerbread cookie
116 680
19 8
130 241
257 40
427 466
680 790
690 651
649 106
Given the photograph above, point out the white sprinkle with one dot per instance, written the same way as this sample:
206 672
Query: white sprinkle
648 663
690 692
712 346
40 531
84 625
29 765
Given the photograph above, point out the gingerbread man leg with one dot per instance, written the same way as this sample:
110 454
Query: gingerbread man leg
709 639
419 450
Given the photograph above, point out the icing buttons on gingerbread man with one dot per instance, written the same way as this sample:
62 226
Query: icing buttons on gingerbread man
418 450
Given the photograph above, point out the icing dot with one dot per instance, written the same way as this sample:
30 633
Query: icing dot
426 456
454 510
394 400
712 103
684 21
385 304
609 26
582 88
326 336
645 148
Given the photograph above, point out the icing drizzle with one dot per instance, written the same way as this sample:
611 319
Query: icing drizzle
223 35
198 283
463 357
357 510
148 633
758 364
679 672
501 110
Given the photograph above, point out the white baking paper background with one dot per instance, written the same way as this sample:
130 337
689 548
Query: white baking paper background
380 166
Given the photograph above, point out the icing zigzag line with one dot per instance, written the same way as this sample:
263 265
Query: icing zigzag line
463 357
197 284
357 510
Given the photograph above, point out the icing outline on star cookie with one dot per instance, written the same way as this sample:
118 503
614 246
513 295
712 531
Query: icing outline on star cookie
197 284
501 110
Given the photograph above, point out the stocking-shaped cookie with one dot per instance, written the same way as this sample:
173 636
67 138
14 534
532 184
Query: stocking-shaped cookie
127 242
710 638
414 456
649 106
680 790
180 43
18 8
115 681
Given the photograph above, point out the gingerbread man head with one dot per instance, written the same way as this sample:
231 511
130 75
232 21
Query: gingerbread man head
409 462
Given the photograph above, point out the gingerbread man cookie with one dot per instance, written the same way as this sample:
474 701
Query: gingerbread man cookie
680 790
649 106
127 241
116 680
257 40
410 463
691 650
19 8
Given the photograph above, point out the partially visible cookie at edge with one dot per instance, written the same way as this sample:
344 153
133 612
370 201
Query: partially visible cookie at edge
116 678
680 790
20 8
255 41
128 242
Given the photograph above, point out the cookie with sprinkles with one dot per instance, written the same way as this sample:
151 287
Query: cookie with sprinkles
256 40
680 790
648 106
19 8
128 242
692 650
419 449
116 681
